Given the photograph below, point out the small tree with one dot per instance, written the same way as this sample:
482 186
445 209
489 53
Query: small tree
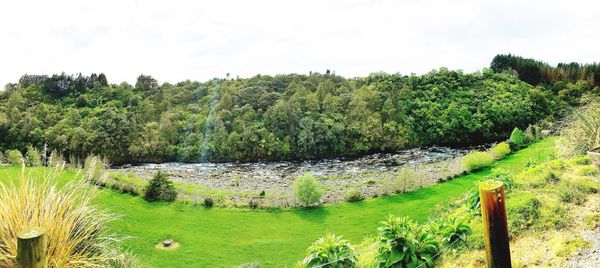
306 190
160 188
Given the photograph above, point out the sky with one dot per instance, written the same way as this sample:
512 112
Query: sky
199 40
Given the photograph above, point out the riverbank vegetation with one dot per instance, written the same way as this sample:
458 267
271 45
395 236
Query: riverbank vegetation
272 117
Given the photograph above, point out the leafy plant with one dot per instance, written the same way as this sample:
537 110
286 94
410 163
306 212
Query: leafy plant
402 243
477 160
160 188
208 202
453 229
330 251
306 190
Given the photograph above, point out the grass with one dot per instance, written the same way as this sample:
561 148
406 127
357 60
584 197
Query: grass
219 237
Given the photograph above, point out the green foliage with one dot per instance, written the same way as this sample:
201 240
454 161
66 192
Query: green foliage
581 160
500 150
588 171
553 216
14 157
330 251
541 175
570 192
33 158
266 117
571 245
522 209
160 188
477 160
307 190
453 229
354 195
403 243
517 138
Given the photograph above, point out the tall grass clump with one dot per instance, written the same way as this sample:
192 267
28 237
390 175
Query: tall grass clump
33 157
581 130
94 169
76 231
477 160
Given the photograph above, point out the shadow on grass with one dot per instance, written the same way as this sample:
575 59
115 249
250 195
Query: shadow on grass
312 214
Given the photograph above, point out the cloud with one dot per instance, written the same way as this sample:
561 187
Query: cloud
199 40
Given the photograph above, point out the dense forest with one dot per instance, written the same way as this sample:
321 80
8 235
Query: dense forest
289 116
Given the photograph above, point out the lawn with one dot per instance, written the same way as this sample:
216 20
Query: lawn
219 237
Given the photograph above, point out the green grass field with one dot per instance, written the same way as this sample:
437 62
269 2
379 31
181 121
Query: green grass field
220 237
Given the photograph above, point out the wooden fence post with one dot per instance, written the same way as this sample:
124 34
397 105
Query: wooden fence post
32 248
495 227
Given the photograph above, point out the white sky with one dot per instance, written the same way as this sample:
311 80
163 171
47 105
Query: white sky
199 40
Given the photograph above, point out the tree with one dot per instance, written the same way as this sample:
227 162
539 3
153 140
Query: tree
306 190
160 188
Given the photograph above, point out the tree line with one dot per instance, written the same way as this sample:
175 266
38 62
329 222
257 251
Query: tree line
290 116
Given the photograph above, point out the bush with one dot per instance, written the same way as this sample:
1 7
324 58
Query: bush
354 195
517 138
306 190
76 229
500 150
402 243
14 157
160 188
522 210
253 203
477 160
208 202
33 158
330 251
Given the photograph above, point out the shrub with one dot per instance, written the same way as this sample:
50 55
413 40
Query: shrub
160 188
76 229
500 150
523 209
306 190
517 138
402 243
208 202
330 251
253 203
14 157
33 158
354 195
477 160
